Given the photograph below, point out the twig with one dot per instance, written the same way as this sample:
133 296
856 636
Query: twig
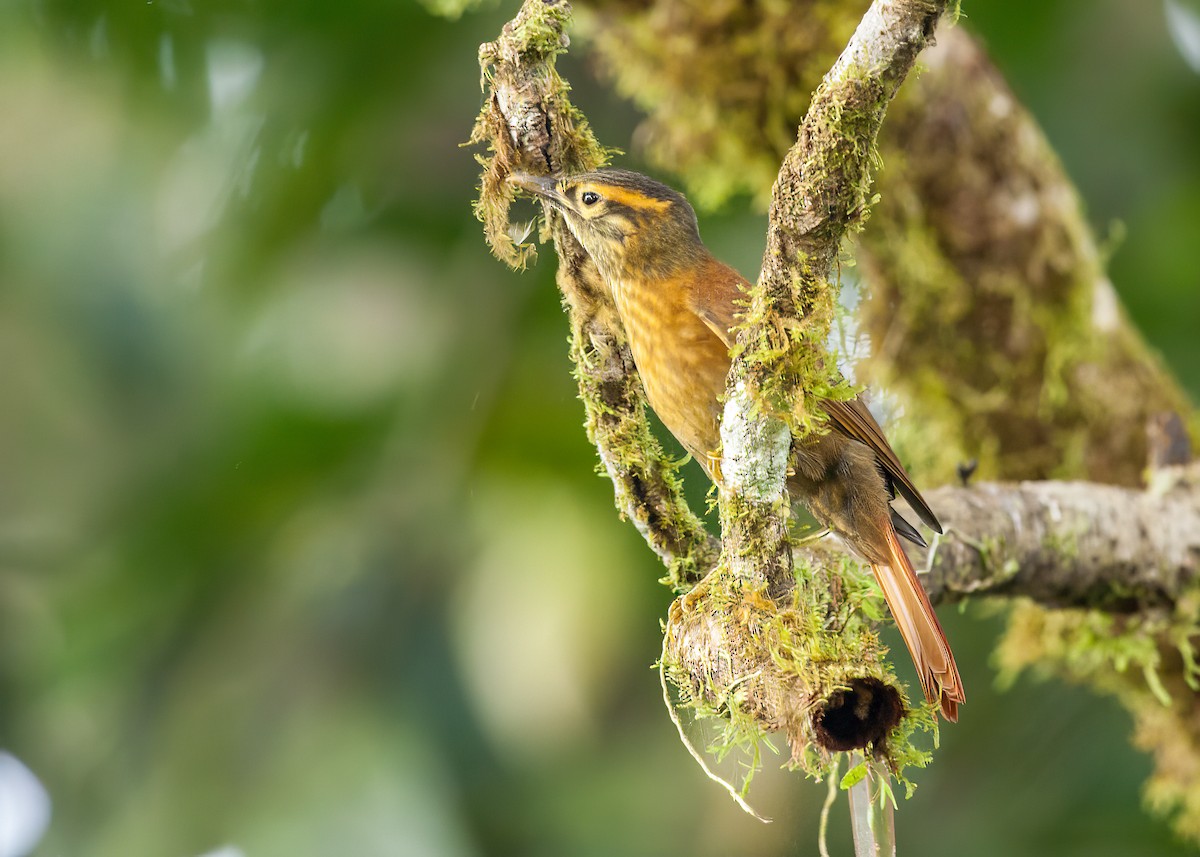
831 794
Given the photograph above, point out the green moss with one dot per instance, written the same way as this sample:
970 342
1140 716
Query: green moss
1064 542
539 36
1001 358
535 38
647 486
786 366
813 644
822 196
819 640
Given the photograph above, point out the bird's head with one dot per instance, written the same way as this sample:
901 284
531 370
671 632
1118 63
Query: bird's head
631 225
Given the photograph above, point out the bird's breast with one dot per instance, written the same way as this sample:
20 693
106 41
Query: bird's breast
682 363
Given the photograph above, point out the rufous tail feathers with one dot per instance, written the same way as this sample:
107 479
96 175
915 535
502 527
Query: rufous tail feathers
920 629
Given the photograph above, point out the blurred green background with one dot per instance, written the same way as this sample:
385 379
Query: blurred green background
301 548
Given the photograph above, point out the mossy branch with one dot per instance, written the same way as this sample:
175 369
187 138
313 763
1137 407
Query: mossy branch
987 239
1070 544
758 623
991 306
1121 571
530 125
1077 545
780 369
991 311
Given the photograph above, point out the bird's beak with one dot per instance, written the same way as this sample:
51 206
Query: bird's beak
543 187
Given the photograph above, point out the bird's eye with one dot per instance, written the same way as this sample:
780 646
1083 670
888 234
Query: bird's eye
589 197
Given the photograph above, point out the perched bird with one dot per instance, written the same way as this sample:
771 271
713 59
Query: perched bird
678 304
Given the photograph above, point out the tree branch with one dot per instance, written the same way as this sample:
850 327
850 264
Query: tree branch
780 370
989 241
530 125
1070 544
827 688
990 309
1073 545
991 312
835 690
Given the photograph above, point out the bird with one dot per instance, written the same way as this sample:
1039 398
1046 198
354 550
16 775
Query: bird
679 306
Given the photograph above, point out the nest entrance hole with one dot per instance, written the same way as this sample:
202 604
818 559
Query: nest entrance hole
856 717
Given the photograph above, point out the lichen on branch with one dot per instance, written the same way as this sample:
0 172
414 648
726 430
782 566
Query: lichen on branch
805 663
980 233
780 374
819 196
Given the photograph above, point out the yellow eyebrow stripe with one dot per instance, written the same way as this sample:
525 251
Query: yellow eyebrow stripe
623 196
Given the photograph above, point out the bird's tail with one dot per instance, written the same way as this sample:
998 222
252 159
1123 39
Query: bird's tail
920 629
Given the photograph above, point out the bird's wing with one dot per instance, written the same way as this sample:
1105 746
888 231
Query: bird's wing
715 296
715 302
852 418
717 326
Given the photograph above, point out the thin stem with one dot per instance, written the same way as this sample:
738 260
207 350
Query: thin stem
872 812
827 807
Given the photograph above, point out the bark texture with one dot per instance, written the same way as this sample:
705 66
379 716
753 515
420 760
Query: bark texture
834 689
989 306
1069 544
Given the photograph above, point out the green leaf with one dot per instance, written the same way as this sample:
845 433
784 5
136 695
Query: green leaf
853 777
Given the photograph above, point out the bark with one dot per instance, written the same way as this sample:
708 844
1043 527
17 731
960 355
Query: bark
846 698
1069 544
989 306
1076 545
